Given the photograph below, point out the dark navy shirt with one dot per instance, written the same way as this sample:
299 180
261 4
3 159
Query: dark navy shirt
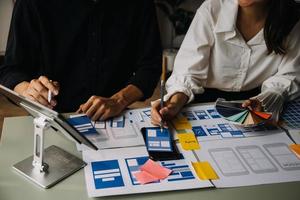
90 47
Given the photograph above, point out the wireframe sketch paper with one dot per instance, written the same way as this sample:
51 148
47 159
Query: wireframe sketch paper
111 172
252 160
207 124
122 131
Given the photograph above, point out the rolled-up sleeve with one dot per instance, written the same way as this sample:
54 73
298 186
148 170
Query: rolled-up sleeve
192 61
286 81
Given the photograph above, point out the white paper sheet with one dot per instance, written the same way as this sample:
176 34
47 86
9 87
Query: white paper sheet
209 125
252 160
127 136
110 172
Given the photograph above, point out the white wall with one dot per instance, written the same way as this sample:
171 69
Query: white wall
6 7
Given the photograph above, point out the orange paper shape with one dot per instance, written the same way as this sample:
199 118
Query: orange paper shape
155 169
296 149
263 114
144 177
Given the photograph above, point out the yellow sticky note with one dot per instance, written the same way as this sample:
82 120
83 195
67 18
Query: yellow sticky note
188 141
181 123
296 149
205 171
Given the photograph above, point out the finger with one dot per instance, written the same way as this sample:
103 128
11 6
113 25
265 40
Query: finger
155 115
40 88
39 98
99 113
155 123
53 102
93 108
107 114
165 124
257 106
246 103
166 113
79 109
48 84
57 86
88 104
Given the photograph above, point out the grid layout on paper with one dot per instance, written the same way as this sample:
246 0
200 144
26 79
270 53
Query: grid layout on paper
291 114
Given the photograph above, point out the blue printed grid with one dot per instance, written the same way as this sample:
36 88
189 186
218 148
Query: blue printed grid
157 140
180 170
201 114
133 166
199 131
118 122
83 125
189 115
107 174
291 114
147 113
214 113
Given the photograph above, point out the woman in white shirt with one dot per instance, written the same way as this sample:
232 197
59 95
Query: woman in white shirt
237 49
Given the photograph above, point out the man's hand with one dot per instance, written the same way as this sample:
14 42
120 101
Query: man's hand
37 90
101 108
169 111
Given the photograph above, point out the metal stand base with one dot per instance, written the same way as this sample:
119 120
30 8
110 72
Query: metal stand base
61 165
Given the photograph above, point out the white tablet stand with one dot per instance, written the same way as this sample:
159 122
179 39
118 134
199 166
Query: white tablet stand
47 166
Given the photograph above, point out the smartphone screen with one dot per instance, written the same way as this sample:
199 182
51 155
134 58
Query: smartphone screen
160 144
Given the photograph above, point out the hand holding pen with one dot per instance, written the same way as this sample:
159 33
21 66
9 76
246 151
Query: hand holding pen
162 112
41 90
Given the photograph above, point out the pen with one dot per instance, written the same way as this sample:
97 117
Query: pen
162 88
49 96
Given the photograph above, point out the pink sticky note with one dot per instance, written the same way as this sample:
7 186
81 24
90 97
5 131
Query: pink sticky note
144 177
155 169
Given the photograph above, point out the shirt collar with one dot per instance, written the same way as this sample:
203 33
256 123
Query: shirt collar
226 23
227 17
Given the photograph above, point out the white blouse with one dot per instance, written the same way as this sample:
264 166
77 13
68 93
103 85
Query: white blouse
215 55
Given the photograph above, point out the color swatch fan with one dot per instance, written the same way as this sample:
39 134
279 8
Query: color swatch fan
233 111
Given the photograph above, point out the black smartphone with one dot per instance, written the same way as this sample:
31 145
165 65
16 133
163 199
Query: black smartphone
160 144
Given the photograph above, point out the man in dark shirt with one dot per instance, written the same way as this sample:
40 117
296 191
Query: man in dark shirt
106 49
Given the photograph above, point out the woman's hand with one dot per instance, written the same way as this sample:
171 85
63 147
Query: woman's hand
37 90
169 111
253 104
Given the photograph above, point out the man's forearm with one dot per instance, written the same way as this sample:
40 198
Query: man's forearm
128 95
